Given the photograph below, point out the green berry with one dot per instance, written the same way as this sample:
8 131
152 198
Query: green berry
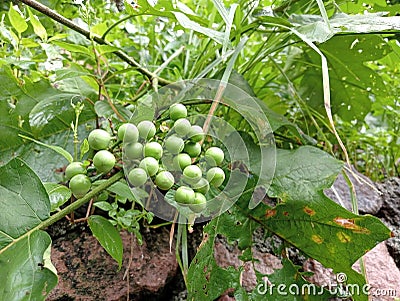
214 156
133 151
199 203
174 144
153 149
182 127
193 149
137 176
184 195
215 176
99 139
150 165
201 186
146 129
181 161
73 169
128 133
177 111
164 180
196 133
104 161
79 185
192 174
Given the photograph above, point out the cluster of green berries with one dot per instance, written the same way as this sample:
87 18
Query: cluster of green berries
103 160
175 161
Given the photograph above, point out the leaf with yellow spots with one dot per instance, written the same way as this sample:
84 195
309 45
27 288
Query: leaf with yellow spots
327 232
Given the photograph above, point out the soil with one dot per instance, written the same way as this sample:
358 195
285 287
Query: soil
87 272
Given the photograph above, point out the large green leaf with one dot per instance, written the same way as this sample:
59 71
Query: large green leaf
305 218
208 280
352 82
302 172
26 273
327 232
23 203
40 109
108 236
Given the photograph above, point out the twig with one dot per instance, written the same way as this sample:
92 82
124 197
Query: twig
126 274
214 105
122 55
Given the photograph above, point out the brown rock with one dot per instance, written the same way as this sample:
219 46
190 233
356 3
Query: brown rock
87 272
382 274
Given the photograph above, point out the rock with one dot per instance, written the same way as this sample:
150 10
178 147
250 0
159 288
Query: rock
382 274
390 214
368 196
87 272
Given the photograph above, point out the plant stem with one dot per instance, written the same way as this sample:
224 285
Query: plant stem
122 55
70 208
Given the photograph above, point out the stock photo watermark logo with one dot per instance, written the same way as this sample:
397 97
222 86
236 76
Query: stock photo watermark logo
340 289
199 182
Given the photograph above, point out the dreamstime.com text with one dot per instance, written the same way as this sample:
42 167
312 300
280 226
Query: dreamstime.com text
339 289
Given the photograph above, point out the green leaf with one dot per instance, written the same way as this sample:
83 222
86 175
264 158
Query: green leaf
55 148
105 206
73 48
341 22
108 236
24 202
185 22
54 112
58 194
301 172
84 148
38 28
326 232
352 82
17 20
103 109
25 271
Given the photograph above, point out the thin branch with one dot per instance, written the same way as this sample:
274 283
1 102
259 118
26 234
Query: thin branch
122 55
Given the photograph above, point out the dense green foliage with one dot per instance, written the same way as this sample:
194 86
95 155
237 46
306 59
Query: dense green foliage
59 83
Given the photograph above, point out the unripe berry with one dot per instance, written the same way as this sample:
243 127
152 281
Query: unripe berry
184 195
215 176
182 127
174 144
177 110
104 161
164 180
153 149
196 133
128 133
74 169
99 139
146 129
137 176
150 165
80 185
